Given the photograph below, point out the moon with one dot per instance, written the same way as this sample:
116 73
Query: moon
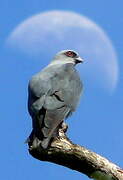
44 34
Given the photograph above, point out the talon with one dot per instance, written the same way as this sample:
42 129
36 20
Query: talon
64 127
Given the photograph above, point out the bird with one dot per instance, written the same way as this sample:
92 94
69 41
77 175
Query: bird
53 95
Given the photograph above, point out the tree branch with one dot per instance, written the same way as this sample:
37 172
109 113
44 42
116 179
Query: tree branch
63 152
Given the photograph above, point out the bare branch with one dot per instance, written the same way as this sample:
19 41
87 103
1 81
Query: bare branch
63 152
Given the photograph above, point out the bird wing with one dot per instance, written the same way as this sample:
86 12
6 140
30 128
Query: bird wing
46 105
52 97
44 91
52 122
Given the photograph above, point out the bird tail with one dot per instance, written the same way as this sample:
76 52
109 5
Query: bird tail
44 139
45 142
50 135
34 141
29 138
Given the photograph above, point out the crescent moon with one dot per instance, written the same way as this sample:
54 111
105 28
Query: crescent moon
44 34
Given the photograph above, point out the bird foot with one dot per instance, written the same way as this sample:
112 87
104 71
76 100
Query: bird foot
64 127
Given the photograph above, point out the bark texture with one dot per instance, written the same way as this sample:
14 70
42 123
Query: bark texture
63 152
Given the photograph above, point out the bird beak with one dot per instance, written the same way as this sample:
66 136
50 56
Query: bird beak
79 60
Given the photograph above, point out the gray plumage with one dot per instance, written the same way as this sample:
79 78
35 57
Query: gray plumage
53 95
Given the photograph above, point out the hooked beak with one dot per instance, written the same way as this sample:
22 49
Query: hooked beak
79 60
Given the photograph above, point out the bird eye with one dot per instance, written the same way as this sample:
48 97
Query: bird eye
70 54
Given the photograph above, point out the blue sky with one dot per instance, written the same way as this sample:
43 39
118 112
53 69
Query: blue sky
98 122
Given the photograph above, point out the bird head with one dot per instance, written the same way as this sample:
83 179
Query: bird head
67 56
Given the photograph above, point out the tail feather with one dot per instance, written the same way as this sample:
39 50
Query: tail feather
44 138
34 141
45 143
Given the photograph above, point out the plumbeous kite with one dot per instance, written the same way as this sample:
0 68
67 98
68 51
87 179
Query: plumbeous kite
53 95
